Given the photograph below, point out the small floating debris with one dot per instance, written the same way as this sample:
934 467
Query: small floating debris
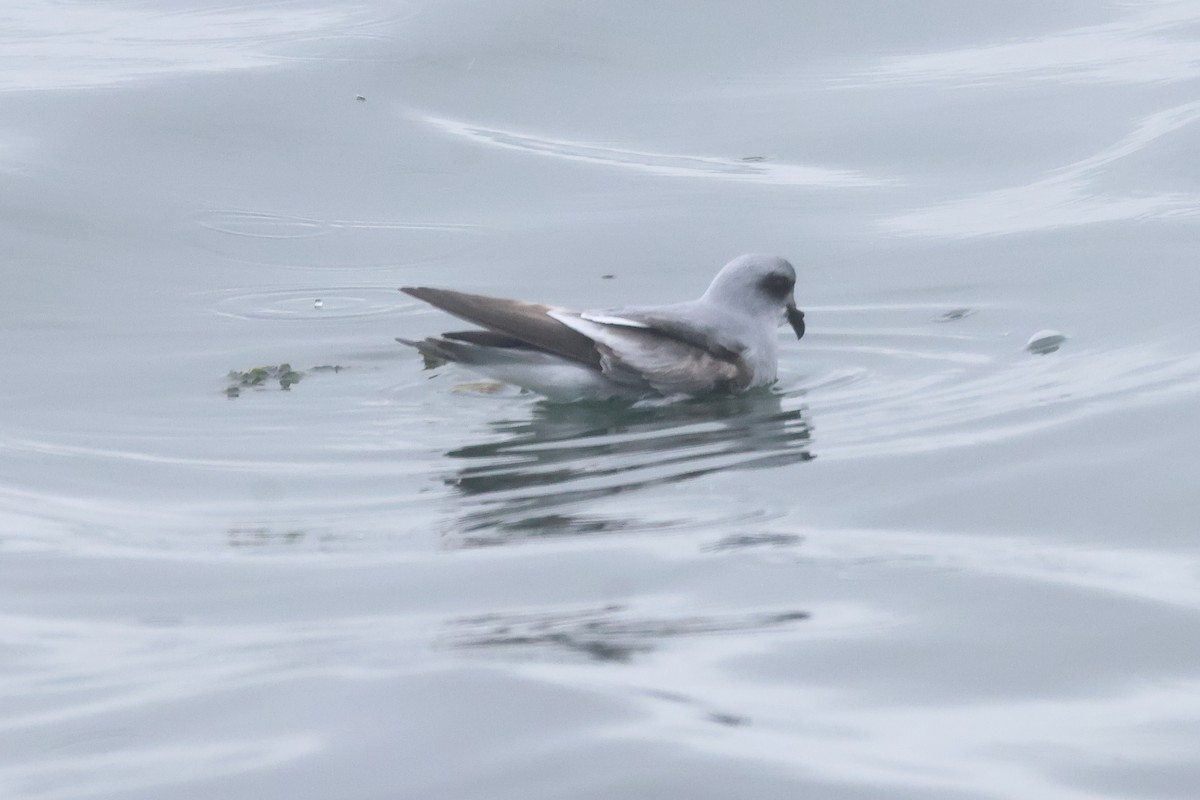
1044 342
954 315
360 98
318 304
607 277
754 159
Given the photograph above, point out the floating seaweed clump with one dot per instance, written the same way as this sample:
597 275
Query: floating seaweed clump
262 377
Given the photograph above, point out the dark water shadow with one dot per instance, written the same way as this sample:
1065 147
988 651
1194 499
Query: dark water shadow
610 633
557 472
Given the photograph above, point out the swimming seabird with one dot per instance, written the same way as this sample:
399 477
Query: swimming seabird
724 341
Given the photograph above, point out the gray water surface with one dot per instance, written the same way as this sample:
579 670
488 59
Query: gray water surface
929 563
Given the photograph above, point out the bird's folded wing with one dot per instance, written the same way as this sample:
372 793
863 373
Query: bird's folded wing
531 323
677 323
635 353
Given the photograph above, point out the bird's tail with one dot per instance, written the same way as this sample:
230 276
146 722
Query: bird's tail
472 354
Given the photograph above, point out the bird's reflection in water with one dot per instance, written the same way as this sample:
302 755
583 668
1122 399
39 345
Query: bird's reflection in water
551 473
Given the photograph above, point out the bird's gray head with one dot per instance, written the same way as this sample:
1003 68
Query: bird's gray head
759 285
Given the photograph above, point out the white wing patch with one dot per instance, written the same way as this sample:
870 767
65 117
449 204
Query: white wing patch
636 354
606 319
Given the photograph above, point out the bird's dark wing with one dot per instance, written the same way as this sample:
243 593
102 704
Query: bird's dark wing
529 323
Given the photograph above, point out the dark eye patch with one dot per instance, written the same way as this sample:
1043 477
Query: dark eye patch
776 285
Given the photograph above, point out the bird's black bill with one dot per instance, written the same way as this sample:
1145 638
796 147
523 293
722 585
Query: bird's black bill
795 318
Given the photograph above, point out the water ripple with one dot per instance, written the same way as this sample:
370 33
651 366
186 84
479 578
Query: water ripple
748 170
265 239
1153 42
342 302
1160 576
148 767
83 44
73 670
1071 195
604 634
898 389
267 225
